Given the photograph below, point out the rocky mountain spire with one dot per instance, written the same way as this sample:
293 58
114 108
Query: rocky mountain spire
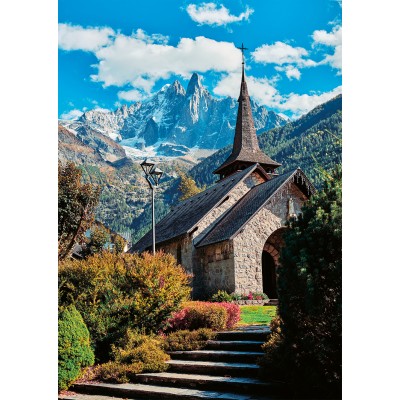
246 150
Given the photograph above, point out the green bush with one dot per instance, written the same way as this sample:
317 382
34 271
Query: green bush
306 342
136 347
114 292
221 296
115 372
134 353
74 351
199 314
188 340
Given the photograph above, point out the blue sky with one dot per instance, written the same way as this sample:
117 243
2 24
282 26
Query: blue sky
117 52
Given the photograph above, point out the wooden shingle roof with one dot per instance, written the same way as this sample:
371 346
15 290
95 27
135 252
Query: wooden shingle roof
184 217
245 145
240 214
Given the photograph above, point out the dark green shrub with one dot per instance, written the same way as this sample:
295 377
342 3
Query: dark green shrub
188 340
306 343
221 296
114 292
74 351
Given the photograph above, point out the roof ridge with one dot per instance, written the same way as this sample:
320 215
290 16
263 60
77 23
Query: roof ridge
251 191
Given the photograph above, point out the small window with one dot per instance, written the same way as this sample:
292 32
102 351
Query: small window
179 254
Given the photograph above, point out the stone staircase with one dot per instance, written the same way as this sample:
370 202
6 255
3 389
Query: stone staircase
225 369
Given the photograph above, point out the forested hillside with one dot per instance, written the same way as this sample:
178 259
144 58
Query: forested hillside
313 141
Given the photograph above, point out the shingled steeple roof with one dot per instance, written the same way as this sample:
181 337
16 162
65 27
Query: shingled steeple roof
246 150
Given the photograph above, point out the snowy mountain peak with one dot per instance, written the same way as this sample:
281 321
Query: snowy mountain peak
192 118
194 83
178 88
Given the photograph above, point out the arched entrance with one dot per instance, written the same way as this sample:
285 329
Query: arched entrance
270 261
269 275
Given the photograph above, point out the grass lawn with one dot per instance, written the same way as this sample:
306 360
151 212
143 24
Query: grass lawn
256 315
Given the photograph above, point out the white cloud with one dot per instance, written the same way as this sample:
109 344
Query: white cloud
263 92
131 95
72 114
75 37
261 89
333 38
140 34
290 71
103 110
301 104
282 53
330 39
129 60
210 14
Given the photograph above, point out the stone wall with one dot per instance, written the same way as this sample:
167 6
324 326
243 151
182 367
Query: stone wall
249 244
235 265
209 221
215 270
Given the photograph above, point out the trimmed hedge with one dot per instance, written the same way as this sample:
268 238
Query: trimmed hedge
74 351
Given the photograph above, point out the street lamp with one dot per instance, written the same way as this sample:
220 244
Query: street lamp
153 176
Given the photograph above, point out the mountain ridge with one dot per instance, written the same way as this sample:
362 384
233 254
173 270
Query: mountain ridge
192 118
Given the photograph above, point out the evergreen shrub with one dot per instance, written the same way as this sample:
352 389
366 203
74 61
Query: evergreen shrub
74 351
221 296
306 340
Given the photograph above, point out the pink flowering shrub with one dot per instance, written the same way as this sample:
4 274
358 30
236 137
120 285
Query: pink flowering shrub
233 314
200 314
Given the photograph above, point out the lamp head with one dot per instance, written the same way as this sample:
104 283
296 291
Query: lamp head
147 166
156 174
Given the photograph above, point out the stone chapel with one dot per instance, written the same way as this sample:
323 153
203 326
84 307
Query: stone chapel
229 236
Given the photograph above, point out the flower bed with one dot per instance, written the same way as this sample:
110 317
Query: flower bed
251 302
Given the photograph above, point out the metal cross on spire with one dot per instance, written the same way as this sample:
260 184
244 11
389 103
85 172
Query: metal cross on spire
242 49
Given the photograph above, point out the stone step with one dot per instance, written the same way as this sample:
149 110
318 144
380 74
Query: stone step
213 368
140 391
240 335
209 382
217 355
235 345
82 396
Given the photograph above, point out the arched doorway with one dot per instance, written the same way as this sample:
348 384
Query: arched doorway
269 275
270 262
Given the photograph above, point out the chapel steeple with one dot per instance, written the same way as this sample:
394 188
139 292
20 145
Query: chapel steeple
246 150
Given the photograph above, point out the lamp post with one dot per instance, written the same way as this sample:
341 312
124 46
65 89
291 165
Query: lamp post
153 176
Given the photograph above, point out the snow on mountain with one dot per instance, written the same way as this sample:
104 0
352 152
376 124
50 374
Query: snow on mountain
174 120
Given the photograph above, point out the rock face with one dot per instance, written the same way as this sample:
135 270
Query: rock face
191 117
86 146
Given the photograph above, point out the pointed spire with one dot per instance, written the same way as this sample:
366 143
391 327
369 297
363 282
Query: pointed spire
246 150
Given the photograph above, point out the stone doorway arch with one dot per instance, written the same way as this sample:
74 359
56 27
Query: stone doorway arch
270 262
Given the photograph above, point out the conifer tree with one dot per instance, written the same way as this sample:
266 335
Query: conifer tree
305 344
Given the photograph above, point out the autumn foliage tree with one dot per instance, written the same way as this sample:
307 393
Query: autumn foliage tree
187 187
76 207
114 292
